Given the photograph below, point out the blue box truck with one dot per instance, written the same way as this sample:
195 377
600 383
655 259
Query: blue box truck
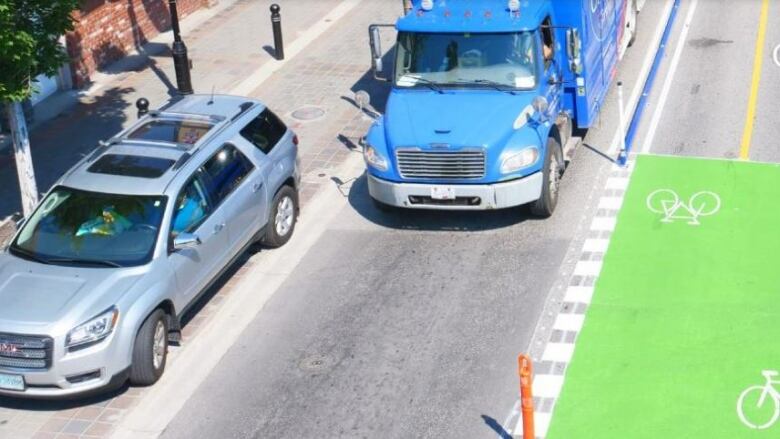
485 96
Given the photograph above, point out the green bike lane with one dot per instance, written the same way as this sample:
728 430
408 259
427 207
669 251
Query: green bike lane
686 311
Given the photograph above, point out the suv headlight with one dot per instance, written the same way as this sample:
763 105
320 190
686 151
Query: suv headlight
373 158
94 329
522 159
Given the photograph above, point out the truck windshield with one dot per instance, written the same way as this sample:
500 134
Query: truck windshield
91 229
466 59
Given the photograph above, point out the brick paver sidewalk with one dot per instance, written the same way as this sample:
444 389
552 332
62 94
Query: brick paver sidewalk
225 50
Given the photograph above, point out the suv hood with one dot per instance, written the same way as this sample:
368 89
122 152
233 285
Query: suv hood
40 296
459 118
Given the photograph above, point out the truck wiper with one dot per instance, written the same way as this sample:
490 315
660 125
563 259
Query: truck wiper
431 84
27 254
103 263
496 85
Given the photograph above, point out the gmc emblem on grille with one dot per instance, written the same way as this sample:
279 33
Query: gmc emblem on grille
440 145
7 348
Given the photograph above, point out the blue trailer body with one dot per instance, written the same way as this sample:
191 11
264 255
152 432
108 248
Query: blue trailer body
445 141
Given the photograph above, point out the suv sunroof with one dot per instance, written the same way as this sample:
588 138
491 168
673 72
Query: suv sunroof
173 131
131 166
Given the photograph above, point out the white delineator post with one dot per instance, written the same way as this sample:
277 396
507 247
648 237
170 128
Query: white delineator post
24 166
623 156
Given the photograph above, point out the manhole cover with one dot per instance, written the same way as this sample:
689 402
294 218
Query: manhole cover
316 362
308 113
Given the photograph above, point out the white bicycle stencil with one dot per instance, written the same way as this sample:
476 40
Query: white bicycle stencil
668 203
761 393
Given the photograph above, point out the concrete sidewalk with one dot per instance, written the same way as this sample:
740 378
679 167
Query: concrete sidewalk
327 62
227 43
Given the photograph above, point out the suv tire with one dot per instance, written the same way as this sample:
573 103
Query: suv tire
150 351
284 215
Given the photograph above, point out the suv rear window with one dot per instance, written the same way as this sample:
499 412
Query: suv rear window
131 166
187 132
265 131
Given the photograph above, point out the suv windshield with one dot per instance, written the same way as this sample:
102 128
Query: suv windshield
470 59
73 227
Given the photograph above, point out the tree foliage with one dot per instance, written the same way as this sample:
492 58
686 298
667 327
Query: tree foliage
30 31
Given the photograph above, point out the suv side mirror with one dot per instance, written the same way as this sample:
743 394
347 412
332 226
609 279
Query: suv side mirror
185 240
574 50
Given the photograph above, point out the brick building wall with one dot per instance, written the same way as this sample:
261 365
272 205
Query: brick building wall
107 30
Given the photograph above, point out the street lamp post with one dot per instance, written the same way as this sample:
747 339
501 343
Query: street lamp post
180 61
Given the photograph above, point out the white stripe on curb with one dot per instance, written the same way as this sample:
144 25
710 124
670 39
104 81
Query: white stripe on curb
579 295
595 245
588 268
558 352
569 322
310 35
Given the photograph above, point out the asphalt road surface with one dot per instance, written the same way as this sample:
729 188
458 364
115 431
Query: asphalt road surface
409 325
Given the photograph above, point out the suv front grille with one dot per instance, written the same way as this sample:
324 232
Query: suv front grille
25 351
463 164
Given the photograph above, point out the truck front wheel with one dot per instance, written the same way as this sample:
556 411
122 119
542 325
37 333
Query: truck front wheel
551 175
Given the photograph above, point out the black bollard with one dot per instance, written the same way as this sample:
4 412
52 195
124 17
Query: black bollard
181 62
142 104
276 23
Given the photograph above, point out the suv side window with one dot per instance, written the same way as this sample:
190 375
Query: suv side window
265 131
226 170
192 207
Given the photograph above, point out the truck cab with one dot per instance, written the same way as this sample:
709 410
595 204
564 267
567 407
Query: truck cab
484 99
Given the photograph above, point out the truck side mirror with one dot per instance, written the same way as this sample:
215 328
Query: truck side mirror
376 49
574 50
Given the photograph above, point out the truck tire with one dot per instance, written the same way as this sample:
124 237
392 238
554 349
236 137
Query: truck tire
551 175
284 215
150 351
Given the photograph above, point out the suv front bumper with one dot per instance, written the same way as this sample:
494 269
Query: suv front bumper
81 373
467 197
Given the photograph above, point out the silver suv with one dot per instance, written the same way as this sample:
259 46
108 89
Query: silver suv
94 282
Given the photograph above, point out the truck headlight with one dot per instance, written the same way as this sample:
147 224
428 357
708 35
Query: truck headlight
520 160
373 158
92 330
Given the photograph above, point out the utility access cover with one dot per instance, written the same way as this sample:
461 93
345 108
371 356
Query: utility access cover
308 113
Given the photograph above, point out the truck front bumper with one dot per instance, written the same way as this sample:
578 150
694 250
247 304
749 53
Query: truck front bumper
466 197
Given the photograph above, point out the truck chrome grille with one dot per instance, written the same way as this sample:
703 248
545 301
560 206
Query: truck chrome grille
25 351
447 165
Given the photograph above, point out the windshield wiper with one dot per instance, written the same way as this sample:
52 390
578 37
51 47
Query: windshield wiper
431 84
27 254
103 263
496 85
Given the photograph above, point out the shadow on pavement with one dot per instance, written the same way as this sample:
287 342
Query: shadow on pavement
65 404
432 220
496 427
60 143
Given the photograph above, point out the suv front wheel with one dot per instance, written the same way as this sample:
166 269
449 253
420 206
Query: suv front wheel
284 214
150 351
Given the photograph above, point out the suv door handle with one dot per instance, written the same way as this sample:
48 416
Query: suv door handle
218 228
256 187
